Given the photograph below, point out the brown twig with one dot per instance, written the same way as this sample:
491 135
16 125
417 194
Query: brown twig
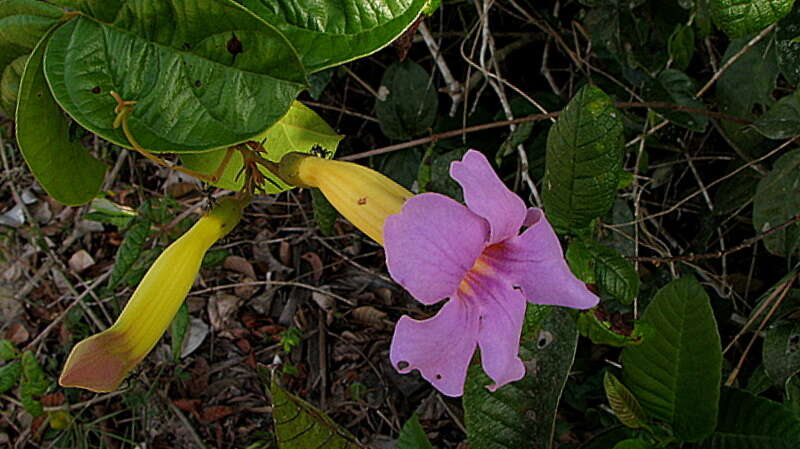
745 244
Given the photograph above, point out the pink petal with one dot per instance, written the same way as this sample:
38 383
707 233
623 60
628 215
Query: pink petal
440 348
487 196
502 312
431 244
535 262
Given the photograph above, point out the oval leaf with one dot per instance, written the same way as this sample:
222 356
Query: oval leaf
62 166
583 161
522 413
299 130
747 421
409 106
300 425
676 372
782 352
778 200
23 23
623 402
614 275
331 32
741 17
204 73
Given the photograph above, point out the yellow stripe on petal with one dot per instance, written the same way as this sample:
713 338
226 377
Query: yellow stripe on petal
363 196
101 362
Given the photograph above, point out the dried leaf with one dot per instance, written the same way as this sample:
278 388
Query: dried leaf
215 413
371 316
221 310
316 264
80 261
240 265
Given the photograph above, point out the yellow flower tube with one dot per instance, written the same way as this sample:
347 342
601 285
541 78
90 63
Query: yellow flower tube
363 196
101 362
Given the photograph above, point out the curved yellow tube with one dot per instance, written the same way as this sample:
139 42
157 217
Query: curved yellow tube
101 362
362 195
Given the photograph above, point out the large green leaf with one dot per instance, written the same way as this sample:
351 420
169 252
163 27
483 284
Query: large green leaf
204 73
746 87
782 352
747 421
410 104
62 166
22 24
584 158
300 425
331 32
738 18
676 372
782 120
522 414
778 200
299 130
674 86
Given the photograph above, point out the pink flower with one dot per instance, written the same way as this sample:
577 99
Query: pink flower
438 248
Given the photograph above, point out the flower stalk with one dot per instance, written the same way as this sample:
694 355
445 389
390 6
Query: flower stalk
101 362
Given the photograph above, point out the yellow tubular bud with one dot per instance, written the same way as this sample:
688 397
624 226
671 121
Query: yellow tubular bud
101 362
362 195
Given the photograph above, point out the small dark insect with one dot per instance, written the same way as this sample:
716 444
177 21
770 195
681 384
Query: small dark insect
319 151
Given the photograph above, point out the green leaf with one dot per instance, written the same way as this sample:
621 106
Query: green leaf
413 436
782 352
324 212
623 403
63 167
300 425
746 87
128 252
747 421
676 372
613 274
8 350
204 73
522 413
434 173
674 86
411 101
9 375
33 375
22 24
602 332
787 47
178 329
584 158
33 384
778 200
782 120
632 444
331 32
792 394
9 83
299 130
738 18
681 46
106 211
